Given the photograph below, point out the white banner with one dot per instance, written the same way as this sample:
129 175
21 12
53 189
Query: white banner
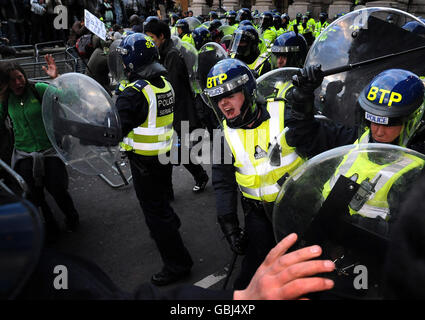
94 24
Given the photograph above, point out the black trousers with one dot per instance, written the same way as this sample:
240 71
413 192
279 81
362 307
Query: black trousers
152 181
55 181
259 231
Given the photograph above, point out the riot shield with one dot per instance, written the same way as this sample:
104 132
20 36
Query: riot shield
208 56
115 63
274 83
190 56
82 123
193 23
347 200
355 37
21 234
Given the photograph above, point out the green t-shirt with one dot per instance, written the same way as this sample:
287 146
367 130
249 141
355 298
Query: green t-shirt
25 113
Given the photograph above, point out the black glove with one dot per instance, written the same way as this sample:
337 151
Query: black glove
300 97
235 236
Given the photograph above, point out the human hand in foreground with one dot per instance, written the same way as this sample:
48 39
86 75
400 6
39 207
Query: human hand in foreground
288 276
51 69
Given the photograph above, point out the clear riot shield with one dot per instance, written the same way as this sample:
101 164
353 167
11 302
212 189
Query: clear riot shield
115 63
355 37
190 56
82 123
274 83
193 23
21 234
347 200
208 56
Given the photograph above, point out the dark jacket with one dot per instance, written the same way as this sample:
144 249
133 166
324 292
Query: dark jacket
98 66
178 76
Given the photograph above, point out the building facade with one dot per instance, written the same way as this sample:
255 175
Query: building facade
332 7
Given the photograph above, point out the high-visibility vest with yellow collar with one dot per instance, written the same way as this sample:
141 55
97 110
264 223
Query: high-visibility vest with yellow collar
359 163
258 64
256 178
154 135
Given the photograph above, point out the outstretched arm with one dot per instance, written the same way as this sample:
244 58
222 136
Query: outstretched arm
288 276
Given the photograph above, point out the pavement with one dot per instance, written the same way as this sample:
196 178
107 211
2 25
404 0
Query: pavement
113 233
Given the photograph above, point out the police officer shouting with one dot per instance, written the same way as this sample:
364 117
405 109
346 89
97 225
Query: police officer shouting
249 126
146 111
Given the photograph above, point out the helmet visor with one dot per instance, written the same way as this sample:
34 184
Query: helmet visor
241 43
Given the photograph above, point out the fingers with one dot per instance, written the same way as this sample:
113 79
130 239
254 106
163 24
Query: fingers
300 287
305 269
298 256
280 248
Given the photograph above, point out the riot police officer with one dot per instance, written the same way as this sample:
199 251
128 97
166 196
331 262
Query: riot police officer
184 31
248 122
268 31
321 24
245 47
289 50
146 111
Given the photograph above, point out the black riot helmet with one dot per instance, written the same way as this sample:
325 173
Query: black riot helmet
323 16
244 14
213 15
215 24
298 17
277 22
266 20
231 17
244 44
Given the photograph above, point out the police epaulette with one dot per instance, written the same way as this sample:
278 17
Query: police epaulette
139 84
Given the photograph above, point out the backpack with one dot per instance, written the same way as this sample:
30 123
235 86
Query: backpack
84 46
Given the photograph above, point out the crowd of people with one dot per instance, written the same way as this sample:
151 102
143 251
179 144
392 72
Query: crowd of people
158 93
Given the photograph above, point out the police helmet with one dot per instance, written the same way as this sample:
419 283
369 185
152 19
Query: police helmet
201 36
285 16
415 27
277 22
227 77
293 46
308 14
215 24
244 14
246 23
245 42
298 17
304 19
213 15
231 14
394 97
173 18
266 20
137 50
323 16
184 25
150 19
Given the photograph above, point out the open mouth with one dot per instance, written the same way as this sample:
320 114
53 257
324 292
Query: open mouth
229 113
